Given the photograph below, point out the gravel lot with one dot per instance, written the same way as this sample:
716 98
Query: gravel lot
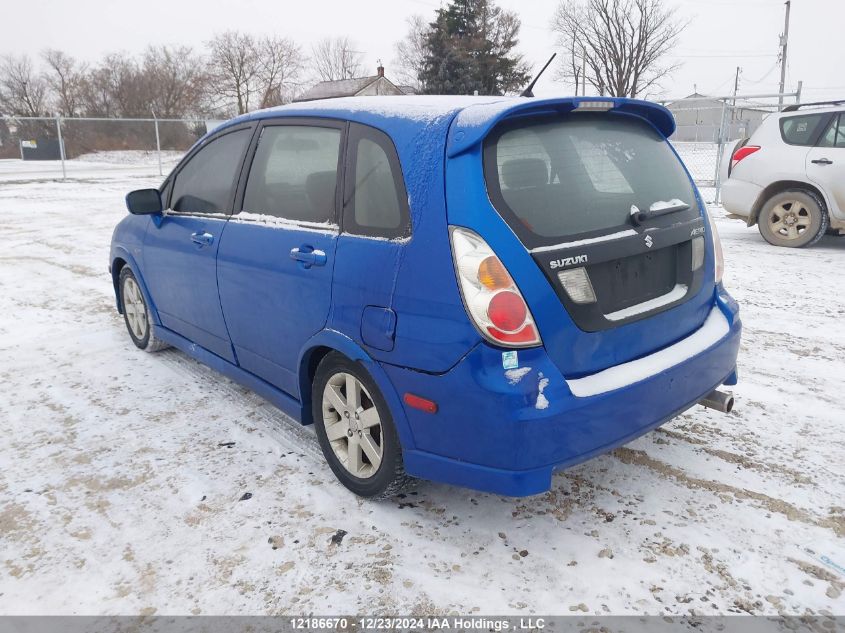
123 474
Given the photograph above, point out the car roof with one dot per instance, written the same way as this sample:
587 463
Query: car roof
474 115
411 108
812 109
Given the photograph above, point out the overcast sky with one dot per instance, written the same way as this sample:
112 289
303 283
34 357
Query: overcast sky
722 34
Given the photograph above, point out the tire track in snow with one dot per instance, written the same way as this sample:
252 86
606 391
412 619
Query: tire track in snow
276 423
635 457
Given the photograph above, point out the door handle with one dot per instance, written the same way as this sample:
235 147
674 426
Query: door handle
203 239
822 161
308 256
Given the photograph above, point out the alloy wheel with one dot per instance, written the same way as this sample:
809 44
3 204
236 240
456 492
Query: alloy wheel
353 426
790 219
134 308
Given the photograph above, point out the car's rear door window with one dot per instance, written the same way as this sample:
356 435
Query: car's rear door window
294 173
580 175
834 135
206 183
802 129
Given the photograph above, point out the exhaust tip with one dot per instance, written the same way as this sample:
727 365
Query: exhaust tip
718 401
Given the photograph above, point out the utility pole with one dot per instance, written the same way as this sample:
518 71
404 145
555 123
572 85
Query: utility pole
783 40
736 88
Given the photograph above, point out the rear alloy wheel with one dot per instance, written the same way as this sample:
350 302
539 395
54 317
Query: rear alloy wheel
793 219
136 315
355 429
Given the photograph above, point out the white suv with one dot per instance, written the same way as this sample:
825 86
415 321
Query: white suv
789 177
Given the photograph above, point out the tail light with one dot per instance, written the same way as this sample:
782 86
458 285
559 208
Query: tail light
718 256
743 152
492 300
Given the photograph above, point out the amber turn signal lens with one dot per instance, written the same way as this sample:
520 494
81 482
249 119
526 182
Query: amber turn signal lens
492 274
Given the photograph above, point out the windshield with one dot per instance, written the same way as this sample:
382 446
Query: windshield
582 174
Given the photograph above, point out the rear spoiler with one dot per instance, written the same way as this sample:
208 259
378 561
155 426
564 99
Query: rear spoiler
473 123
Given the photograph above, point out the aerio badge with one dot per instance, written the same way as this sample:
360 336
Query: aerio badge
649 241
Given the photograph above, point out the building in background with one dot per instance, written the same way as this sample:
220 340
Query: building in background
699 117
374 85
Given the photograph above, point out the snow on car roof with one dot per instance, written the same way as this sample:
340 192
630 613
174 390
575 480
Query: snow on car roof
421 108
474 115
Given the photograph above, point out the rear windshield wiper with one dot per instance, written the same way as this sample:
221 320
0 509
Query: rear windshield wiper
661 207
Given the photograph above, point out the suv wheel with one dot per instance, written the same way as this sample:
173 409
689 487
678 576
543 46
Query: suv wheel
793 218
355 429
136 315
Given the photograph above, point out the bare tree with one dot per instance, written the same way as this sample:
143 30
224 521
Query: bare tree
334 58
97 97
281 65
22 90
235 67
65 78
410 52
122 84
622 43
174 80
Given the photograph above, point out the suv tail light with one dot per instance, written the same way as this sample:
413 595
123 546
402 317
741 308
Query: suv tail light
492 300
718 256
743 152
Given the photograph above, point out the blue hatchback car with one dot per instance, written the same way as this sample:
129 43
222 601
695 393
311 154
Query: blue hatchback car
473 290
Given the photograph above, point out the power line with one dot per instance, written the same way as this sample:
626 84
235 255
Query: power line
764 77
720 55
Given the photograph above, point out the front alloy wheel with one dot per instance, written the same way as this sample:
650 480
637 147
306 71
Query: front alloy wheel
134 309
136 313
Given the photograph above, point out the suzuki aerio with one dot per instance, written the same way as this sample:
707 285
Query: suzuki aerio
472 290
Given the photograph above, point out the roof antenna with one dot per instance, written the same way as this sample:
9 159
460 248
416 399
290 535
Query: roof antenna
527 92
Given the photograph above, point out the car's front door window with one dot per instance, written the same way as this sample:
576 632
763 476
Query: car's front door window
206 182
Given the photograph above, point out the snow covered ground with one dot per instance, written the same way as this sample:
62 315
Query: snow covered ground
123 475
98 165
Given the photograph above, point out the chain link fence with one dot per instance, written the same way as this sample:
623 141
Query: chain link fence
41 148
33 148
706 125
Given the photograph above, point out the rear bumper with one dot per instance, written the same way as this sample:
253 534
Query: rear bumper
739 196
507 432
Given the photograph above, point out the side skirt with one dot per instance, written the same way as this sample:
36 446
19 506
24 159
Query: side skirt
289 405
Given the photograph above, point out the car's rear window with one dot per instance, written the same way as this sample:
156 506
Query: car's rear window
802 129
580 175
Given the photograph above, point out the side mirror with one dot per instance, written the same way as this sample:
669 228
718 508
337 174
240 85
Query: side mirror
144 202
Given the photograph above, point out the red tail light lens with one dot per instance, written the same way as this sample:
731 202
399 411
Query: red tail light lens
526 337
492 299
507 311
743 152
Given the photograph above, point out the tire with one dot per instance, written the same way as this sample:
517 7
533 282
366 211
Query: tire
794 218
136 314
355 439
